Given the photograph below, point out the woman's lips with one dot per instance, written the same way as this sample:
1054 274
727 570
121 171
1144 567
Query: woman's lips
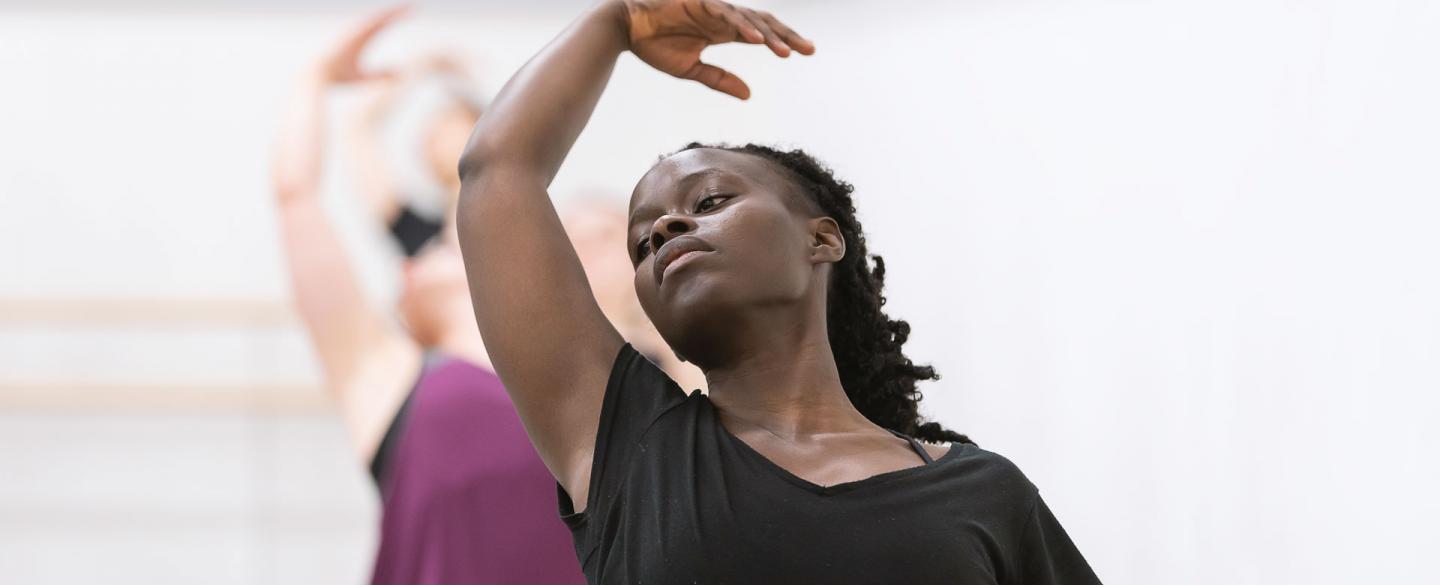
682 245
681 260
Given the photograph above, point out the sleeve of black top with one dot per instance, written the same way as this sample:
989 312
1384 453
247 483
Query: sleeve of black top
1047 556
637 393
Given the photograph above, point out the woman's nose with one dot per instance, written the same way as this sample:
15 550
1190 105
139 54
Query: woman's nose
669 226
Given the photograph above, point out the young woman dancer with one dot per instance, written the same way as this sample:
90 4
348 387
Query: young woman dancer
802 465
465 497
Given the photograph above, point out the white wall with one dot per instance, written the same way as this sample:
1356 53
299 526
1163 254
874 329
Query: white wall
1176 259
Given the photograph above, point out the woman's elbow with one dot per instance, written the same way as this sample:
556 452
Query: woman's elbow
472 164
482 153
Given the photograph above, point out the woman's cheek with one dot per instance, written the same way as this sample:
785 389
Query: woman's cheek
644 288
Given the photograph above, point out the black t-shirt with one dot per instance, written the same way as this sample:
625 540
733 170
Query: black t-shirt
676 499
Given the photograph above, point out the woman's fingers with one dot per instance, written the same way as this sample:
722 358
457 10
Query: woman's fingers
732 16
772 40
788 35
718 79
671 37
342 63
758 26
380 75
376 23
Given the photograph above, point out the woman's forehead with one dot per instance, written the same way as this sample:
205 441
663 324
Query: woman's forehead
674 173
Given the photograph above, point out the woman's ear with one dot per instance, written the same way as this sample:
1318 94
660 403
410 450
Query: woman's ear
827 244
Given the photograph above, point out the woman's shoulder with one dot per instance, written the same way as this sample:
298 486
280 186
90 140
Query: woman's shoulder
971 455
971 465
638 392
634 368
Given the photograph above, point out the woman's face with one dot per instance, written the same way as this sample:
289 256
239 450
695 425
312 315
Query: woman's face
445 140
715 235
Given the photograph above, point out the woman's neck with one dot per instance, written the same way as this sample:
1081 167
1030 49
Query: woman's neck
785 381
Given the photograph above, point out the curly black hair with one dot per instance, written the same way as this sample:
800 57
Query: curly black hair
877 376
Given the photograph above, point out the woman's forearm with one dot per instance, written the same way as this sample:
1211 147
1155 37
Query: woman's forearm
372 178
299 146
532 124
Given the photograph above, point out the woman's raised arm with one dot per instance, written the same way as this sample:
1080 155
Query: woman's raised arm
366 358
545 334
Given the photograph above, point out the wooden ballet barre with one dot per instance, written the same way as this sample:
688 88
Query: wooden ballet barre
75 396
163 399
112 312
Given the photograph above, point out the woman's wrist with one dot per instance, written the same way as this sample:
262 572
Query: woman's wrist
615 13
315 77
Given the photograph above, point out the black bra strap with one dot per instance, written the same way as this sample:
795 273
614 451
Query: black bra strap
919 449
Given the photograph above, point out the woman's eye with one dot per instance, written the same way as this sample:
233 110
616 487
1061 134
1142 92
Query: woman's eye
642 249
709 203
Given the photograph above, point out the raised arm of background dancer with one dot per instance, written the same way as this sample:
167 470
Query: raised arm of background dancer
373 177
363 353
546 336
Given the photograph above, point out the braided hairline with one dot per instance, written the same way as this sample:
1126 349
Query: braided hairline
876 374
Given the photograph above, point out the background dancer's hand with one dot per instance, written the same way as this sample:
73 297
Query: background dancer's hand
670 34
341 64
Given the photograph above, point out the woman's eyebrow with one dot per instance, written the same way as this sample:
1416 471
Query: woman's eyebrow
689 180
639 212
682 185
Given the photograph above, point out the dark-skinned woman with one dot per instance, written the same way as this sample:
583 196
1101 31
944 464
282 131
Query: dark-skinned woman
802 465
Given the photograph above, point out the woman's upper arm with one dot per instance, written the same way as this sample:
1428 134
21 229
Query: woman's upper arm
544 331
367 361
342 323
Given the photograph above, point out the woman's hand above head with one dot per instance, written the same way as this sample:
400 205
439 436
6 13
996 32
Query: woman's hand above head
669 35
340 64
299 150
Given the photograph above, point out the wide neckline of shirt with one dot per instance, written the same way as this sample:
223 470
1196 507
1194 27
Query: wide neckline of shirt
827 490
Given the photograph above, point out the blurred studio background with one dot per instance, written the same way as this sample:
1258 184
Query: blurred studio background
1177 259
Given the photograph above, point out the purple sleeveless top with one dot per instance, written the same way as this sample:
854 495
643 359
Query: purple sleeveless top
466 498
